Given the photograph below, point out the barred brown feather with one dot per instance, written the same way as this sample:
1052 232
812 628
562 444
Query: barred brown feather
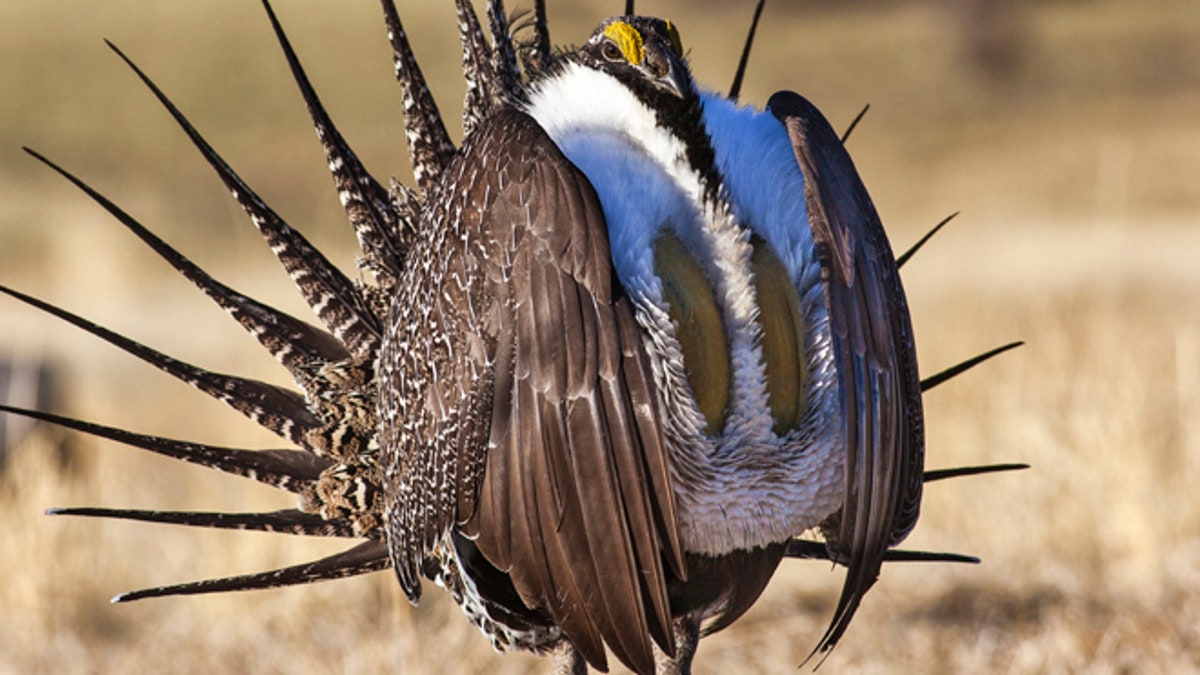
429 145
370 210
331 295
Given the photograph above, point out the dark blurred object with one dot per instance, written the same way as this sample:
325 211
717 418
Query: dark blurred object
992 34
30 382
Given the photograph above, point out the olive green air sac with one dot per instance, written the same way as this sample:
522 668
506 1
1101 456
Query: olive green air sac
698 327
782 337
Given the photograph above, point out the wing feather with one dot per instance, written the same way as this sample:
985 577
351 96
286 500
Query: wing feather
574 501
876 360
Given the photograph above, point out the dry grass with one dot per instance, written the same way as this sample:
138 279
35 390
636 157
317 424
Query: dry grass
1077 171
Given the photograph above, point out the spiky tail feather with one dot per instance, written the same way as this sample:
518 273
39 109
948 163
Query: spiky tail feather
736 88
369 556
504 55
956 370
292 470
331 295
282 411
378 224
429 145
539 48
292 342
287 521
482 92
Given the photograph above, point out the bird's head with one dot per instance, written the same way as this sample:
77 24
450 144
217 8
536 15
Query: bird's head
646 54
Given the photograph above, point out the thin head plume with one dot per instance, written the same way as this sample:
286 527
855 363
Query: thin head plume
960 471
629 8
504 55
282 411
954 371
429 145
476 66
332 296
290 470
368 206
287 521
854 123
736 88
369 556
921 242
293 343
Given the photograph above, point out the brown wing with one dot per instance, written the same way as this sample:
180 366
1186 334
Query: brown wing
876 361
547 451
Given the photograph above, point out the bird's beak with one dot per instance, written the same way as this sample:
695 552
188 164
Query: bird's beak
667 70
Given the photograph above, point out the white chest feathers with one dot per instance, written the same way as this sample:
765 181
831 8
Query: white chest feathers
742 478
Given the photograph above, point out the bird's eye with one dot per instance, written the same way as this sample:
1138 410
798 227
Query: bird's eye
611 51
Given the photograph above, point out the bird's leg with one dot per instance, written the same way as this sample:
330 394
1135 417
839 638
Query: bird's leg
687 636
567 660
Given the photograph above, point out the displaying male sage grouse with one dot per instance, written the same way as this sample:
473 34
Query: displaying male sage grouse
622 347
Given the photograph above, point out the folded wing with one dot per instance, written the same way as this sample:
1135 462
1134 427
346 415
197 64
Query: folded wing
542 443
873 346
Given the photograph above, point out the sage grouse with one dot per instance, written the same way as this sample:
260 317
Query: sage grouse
621 347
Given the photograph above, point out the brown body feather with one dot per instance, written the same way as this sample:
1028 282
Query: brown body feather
548 381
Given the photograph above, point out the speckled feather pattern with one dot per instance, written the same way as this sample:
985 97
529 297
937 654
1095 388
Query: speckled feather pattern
480 356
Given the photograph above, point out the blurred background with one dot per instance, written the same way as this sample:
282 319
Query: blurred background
1067 132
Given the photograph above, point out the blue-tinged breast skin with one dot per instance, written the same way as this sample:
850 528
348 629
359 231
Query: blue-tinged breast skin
762 181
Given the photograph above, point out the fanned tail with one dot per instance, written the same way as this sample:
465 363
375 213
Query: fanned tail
336 476
292 342
332 296
370 556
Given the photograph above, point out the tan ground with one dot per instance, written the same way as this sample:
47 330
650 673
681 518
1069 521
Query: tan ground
1073 152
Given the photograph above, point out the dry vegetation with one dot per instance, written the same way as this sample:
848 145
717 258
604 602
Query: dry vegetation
1074 152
